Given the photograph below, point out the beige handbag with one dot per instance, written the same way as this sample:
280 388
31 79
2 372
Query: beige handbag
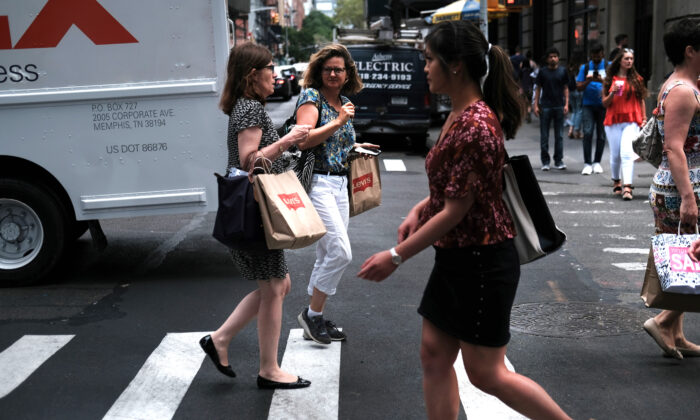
289 219
364 184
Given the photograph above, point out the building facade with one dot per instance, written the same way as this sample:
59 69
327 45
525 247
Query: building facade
571 25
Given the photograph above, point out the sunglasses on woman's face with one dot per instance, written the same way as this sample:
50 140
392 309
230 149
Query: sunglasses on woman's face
270 67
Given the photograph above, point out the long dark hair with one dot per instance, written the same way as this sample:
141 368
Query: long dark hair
459 41
633 78
242 59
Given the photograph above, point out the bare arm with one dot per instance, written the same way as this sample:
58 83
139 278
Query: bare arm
566 99
249 141
308 114
379 266
536 103
679 108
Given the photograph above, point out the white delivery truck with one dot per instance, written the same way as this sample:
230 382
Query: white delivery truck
108 109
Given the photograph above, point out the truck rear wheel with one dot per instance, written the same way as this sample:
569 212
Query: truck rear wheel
31 232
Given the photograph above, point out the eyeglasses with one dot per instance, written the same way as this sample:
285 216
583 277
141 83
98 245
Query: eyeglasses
336 70
270 67
628 50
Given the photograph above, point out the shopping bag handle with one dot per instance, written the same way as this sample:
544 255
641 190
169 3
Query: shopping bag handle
679 229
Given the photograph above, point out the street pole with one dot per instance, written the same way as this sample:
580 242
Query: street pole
484 18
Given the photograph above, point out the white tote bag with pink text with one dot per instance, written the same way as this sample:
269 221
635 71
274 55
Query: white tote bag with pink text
678 273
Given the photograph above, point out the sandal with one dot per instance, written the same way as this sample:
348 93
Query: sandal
627 194
617 187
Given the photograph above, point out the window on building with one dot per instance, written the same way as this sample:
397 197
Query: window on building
583 24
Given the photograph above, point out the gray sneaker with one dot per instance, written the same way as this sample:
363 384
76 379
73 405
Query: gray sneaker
333 332
314 327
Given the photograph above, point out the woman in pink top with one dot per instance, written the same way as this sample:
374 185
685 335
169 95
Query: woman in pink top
625 115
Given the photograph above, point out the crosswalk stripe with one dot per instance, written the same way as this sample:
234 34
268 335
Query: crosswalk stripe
158 388
25 356
394 165
479 405
321 365
642 251
632 266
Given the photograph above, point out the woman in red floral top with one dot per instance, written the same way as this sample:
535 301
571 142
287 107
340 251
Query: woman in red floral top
466 304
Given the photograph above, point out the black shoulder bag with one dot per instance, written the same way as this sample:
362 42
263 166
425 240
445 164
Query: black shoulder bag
304 166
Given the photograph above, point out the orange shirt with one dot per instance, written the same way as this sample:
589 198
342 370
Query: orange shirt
624 107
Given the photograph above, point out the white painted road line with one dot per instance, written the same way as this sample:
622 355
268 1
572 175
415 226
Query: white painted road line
633 266
394 165
479 405
158 388
25 356
319 364
157 256
642 251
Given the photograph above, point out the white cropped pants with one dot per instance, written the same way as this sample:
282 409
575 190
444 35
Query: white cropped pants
329 194
622 157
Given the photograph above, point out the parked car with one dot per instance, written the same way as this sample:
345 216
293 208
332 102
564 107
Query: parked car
283 87
301 68
291 74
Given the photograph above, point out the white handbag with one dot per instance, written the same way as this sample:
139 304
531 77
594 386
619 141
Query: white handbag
677 272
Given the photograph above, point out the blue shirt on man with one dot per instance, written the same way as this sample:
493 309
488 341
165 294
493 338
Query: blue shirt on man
592 95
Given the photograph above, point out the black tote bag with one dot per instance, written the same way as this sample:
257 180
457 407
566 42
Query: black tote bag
238 223
537 234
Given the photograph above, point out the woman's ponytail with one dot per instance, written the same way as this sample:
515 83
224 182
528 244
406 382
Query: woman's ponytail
501 92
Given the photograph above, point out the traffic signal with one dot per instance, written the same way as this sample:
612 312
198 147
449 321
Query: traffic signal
518 3
275 17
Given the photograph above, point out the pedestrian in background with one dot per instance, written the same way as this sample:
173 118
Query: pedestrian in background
673 194
467 301
575 96
625 115
515 61
527 67
251 134
590 81
622 41
551 104
330 76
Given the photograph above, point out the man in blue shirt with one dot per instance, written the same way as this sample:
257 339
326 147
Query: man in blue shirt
551 103
590 81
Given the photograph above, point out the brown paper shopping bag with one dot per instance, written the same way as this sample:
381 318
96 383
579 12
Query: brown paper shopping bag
654 297
289 219
364 185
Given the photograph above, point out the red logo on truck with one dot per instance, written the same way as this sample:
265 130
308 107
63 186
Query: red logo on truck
292 201
57 16
361 183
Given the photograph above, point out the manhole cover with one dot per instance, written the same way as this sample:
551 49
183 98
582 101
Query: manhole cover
576 319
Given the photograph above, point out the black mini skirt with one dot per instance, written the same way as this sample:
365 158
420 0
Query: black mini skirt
470 292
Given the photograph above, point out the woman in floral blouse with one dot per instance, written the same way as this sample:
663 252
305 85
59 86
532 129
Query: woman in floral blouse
467 301
330 76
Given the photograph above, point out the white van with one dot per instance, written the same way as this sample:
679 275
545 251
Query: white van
108 109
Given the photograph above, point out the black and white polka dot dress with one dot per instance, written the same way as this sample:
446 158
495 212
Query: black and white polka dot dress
261 265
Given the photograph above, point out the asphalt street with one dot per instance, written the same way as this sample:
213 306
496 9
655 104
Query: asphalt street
113 334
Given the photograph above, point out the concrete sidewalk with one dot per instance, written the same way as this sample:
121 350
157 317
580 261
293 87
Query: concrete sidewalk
527 141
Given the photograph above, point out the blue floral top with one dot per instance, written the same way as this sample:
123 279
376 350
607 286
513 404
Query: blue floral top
331 155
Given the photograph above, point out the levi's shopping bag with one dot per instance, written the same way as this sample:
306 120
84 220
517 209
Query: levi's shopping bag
289 219
364 184
677 272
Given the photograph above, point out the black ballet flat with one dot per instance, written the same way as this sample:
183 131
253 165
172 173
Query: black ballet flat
268 384
207 345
